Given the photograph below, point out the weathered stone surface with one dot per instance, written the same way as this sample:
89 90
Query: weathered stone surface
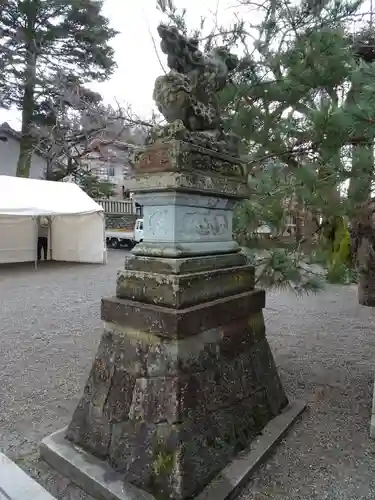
187 249
156 400
183 290
159 265
201 384
90 428
144 355
179 323
119 397
169 200
208 446
192 182
192 396
131 450
171 412
175 155
187 222
239 335
264 364
173 461
180 218
194 451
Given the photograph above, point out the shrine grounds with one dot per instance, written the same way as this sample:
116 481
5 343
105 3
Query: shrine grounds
324 347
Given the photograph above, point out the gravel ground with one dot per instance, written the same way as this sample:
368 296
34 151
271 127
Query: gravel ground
323 346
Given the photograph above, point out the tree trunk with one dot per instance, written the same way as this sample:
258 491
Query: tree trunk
366 286
361 174
28 105
311 225
362 235
362 223
299 224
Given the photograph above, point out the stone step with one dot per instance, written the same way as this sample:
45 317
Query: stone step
15 484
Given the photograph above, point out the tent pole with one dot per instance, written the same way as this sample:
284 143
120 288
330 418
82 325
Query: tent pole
105 255
36 247
50 237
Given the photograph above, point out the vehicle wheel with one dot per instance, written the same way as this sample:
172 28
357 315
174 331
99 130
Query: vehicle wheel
114 243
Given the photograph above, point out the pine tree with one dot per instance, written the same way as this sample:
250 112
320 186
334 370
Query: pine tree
288 103
38 37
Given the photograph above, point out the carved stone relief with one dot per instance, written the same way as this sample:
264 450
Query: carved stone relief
195 223
158 224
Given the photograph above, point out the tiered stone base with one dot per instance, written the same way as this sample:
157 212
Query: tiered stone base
183 379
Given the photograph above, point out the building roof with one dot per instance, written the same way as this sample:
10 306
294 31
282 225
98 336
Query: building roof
7 130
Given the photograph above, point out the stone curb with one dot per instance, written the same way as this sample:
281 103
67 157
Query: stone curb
372 422
15 484
99 480
234 476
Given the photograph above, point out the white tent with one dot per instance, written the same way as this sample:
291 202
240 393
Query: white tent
77 229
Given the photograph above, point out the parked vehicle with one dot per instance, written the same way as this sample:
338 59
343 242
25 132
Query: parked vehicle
117 238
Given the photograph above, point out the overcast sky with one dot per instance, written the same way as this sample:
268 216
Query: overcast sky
138 66
137 63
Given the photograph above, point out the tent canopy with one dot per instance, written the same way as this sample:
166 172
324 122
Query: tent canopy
33 197
77 228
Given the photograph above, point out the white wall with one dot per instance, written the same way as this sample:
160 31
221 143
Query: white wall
9 152
117 179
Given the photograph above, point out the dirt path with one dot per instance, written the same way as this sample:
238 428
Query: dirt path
325 350
324 347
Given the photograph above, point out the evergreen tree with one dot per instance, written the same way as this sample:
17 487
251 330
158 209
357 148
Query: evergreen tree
92 185
289 104
38 37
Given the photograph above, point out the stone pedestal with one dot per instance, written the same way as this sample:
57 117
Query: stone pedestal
183 378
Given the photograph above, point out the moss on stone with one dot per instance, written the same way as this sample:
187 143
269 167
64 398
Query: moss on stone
163 463
163 460
256 320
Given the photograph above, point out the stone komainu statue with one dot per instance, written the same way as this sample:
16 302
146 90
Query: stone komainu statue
187 96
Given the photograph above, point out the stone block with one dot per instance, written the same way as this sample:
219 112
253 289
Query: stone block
15 484
187 265
90 428
239 335
119 397
183 290
186 222
191 453
131 450
171 217
191 396
180 323
176 155
144 355
156 400
191 182
185 249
